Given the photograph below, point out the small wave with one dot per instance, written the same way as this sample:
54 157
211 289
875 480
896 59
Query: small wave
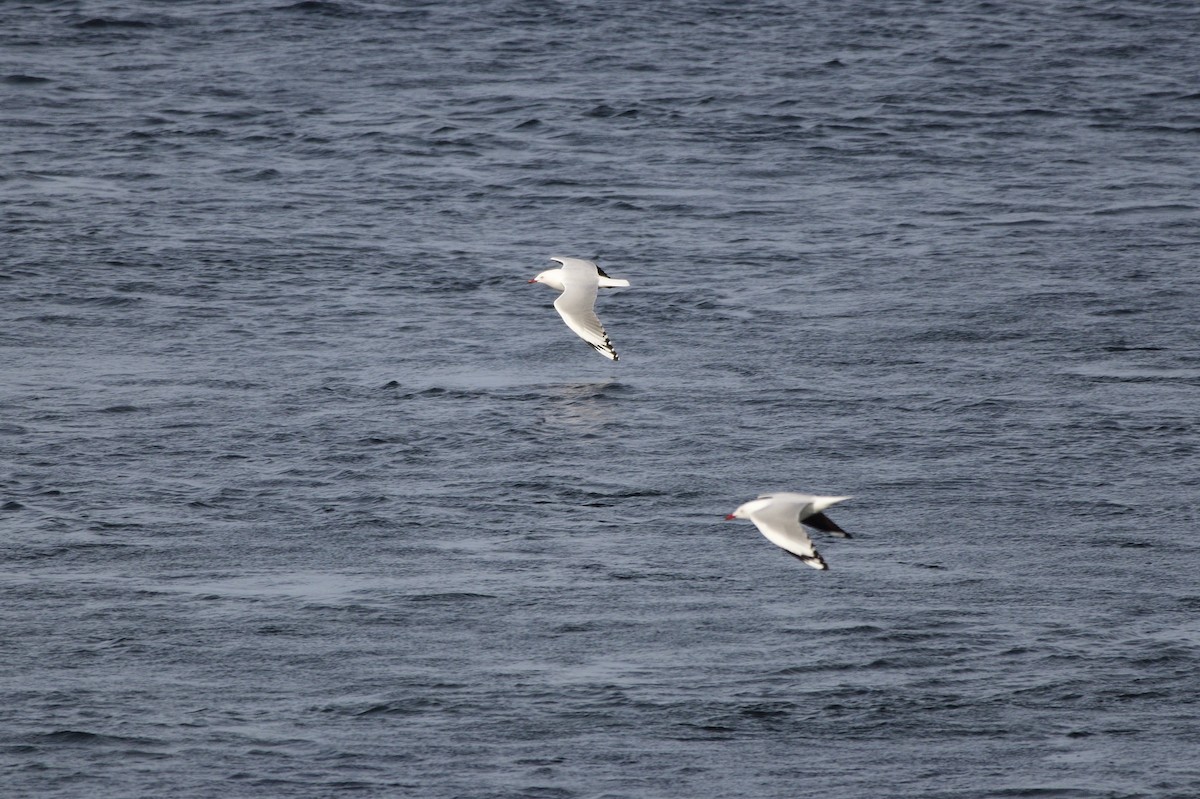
604 111
105 22
1129 210
408 706
25 80
71 736
768 710
1130 348
120 409
426 698
102 302
441 393
378 440
1044 793
451 596
234 116
254 175
1032 221
318 7
82 737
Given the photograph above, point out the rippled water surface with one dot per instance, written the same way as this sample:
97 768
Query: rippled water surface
304 492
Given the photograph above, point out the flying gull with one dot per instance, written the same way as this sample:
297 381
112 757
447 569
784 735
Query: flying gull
778 517
578 281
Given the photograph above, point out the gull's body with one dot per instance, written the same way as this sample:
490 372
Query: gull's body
578 281
778 517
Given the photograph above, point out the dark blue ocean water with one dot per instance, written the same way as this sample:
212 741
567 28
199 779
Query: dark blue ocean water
304 492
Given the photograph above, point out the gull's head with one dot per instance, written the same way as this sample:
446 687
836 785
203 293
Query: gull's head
551 278
748 509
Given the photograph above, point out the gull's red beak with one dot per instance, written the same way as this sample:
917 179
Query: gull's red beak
729 516
531 281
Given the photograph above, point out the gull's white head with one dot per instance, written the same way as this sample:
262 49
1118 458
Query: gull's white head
551 278
744 510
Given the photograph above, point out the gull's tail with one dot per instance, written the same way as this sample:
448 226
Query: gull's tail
606 282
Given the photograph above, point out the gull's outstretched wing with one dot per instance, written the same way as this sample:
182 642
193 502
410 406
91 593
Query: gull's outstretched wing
577 304
779 522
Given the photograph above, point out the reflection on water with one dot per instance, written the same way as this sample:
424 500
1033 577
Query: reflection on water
581 405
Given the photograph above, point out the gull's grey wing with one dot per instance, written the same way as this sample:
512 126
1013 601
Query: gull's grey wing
780 524
576 305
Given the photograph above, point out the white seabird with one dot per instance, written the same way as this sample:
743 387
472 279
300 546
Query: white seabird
578 281
778 517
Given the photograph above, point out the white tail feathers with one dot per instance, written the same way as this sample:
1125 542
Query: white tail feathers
821 503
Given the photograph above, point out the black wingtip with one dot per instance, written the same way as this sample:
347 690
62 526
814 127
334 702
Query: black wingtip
819 521
605 349
815 560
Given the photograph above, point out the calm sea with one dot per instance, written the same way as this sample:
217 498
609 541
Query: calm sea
305 492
